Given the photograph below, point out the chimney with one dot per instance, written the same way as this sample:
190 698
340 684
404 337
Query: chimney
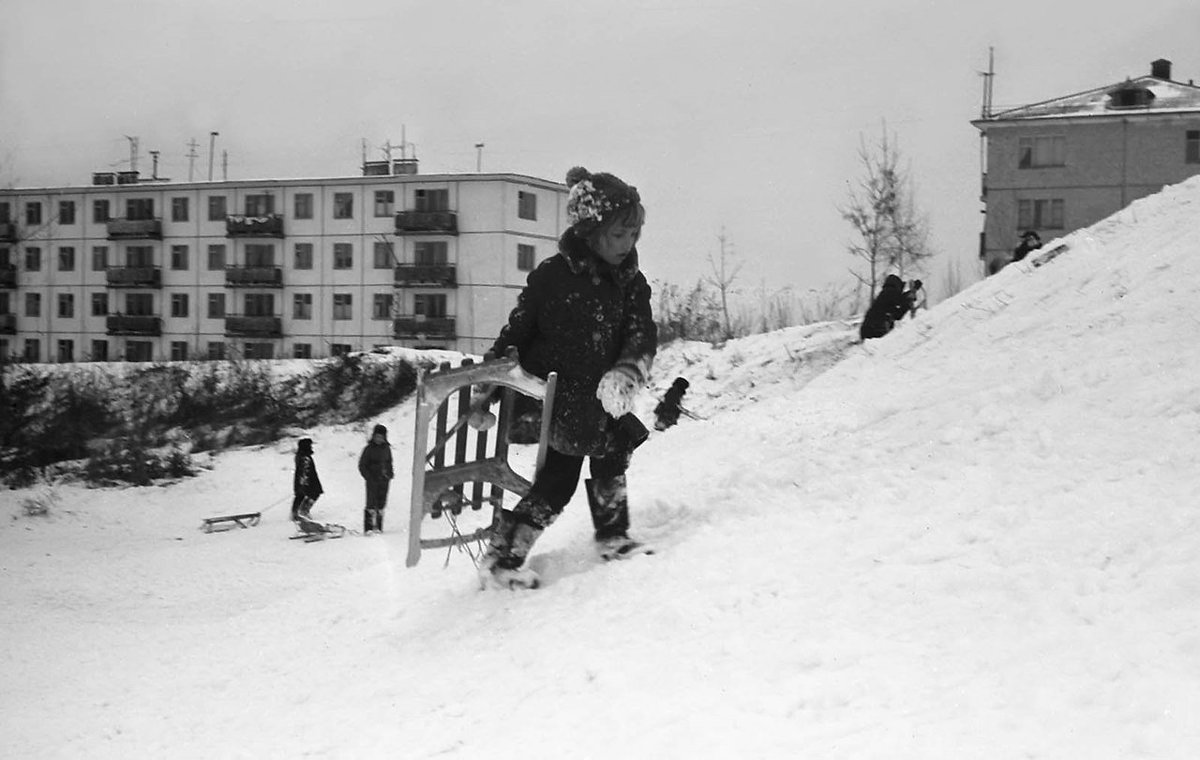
1161 69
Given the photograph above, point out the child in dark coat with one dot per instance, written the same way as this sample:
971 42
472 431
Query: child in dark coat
668 410
889 307
585 314
375 466
306 486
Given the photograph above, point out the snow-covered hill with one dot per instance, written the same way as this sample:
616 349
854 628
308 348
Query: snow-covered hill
975 538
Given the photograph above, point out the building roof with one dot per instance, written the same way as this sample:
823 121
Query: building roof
1144 95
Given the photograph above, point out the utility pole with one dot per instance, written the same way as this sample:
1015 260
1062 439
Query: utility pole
478 157
212 144
191 156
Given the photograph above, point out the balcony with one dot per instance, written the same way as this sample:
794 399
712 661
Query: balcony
253 277
131 324
8 232
426 223
253 327
417 327
240 225
135 229
428 275
8 276
134 277
8 324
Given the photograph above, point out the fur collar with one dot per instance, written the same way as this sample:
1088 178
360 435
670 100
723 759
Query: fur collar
582 260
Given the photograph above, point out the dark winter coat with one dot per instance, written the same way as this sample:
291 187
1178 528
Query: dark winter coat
580 317
888 307
305 482
375 462
668 410
1027 246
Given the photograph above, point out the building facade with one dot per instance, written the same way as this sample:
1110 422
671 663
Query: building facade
155 270
1056 166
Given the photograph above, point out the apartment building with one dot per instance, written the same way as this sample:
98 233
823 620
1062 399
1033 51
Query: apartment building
1066 163
139 269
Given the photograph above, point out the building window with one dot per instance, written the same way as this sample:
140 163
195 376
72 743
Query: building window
139 256
259 351
343 256
139 304
1041 214
216 350
259 305
33 259
66 350
5 212
179 209
383 254
381 307
302 206
66 212
139 351
101 211
179 257
1191 151
429 252
260 255
340 349
216 257
99 258
5 258
525 257
66 305
343 306
302 306
179 351
216 305
526 205
99 304
304 256
1040 152
262 204
99 350
33 304
33 213
429 304
216 208
302 350
432 200
343 206
66 258
33 350
139 208
385 202
179 304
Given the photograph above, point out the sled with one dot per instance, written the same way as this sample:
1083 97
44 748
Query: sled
1044 257
311 530
229 522
460 454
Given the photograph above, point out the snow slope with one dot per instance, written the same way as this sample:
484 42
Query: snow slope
975 538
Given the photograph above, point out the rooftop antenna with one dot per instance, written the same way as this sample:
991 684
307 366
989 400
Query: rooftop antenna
212 142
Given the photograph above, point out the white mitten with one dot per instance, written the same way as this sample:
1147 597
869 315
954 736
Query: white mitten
616 390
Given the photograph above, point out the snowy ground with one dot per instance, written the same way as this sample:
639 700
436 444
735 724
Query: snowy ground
975 538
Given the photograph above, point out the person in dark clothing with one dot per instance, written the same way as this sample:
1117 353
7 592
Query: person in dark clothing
306 486
584 313
889 306
1030 242
668 410
375 466
915 295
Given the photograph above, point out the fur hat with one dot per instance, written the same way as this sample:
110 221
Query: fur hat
681 383
305 444
593 196
380 430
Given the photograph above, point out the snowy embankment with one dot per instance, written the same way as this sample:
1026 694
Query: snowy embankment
976 537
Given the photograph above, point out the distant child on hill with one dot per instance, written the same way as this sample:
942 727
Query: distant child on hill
306 486
668 410
889 307
585 314
375 466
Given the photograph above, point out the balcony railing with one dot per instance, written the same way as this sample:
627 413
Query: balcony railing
253 277
135 229
426 222
8 277
253 327
8 324
134 277
417 327
240 225
430 275
134 324
8 232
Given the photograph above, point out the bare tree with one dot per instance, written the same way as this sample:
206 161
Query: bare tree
890 232
724 273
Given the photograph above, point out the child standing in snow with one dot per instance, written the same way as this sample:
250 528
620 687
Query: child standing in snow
306 486
375 466
584 313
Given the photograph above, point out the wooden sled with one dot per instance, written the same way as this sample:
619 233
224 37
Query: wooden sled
229 522
442 470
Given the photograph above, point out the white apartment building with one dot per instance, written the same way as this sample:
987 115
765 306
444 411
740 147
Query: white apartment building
140 269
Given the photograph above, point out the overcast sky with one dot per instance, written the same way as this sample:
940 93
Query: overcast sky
736 115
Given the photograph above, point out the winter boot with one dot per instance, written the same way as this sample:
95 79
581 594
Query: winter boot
510 543
371 521
609 503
